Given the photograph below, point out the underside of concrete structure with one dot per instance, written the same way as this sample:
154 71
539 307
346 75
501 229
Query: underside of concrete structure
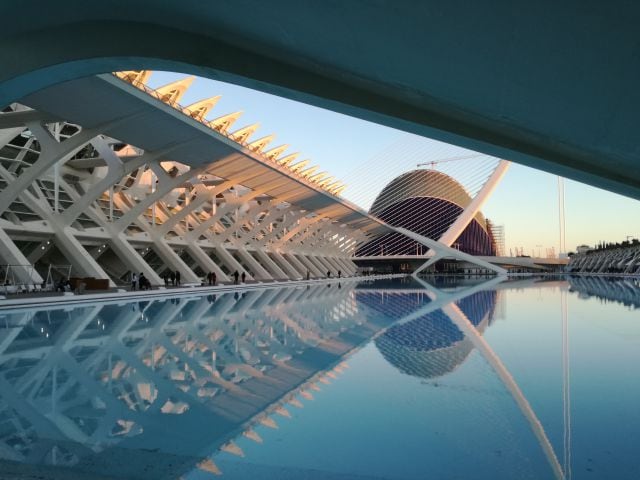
549 85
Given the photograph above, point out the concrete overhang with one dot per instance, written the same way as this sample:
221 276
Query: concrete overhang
551 85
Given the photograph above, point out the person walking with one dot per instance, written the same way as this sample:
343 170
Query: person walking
173 278
235 277
243 277
328 273
166 279
178 278
214 278
134 281
339 273
308 274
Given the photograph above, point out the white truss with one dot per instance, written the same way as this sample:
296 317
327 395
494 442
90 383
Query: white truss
110 209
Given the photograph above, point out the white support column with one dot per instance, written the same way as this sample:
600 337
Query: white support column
12 255
231 263
312 267
174 262
131 258
457 227
75 252
205 262
322 269
299 266
349 265
52 153
258 270
270 265
326 264
445 251
292 272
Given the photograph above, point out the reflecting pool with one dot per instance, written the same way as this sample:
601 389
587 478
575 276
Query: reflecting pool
406 379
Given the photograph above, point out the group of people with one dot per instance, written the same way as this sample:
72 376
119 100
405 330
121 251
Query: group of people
236 275
172 278
139 282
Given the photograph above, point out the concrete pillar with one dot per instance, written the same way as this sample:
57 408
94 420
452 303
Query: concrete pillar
288 267
315 271
174 262
205 262
231 263
79 257
258 270
301 267
12 255
132 259
270 265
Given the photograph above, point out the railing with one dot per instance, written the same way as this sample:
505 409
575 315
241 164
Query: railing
18 278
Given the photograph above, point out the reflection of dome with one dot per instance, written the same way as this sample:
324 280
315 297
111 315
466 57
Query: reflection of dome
426 202
432 346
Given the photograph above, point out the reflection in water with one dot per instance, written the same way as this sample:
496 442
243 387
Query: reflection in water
430 346
621 290
154 389
172 380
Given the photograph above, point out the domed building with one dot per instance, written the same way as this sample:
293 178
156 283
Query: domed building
426 202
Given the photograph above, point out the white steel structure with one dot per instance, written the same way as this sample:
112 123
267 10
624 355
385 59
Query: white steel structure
112 177
194 205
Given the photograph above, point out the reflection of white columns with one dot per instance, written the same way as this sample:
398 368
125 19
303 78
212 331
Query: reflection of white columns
463 220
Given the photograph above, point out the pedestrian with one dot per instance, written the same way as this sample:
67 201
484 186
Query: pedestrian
328 273
177 278
244 277
134 281
166 279
172 275
339 273
308 274
235 277
214 278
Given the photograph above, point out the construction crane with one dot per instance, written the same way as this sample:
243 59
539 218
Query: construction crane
433 163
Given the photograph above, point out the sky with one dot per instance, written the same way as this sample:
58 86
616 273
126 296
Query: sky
357 151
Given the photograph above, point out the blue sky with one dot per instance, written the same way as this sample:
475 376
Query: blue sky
526 201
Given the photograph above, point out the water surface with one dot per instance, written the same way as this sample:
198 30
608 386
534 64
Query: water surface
404 379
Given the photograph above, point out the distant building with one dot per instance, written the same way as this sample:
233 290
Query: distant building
427 202
583 248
